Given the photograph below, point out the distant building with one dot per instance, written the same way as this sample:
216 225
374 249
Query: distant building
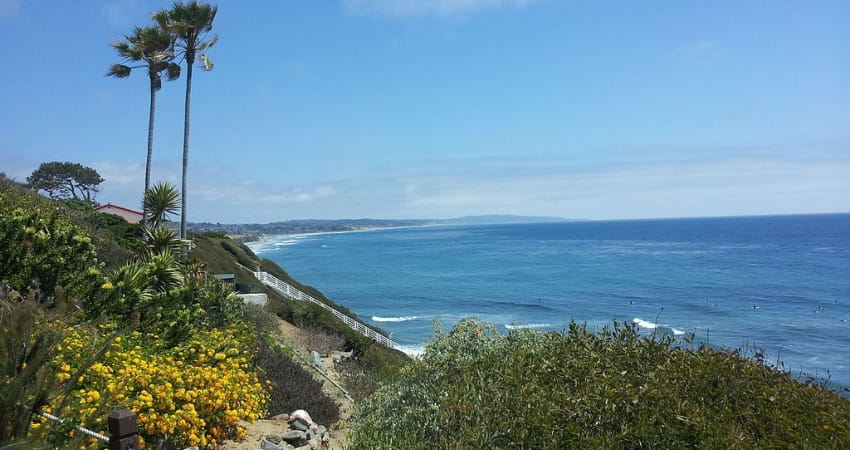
130 215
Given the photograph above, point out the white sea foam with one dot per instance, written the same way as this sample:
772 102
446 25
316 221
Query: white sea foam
528 325
412 350
651 326
286 243
395 319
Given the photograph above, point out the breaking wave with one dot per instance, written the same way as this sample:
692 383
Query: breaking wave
654 326
395 319
528 325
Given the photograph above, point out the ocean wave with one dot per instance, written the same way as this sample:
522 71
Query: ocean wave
539 305
654 326
395 319
528 325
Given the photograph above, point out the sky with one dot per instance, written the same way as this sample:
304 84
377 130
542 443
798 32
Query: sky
446 108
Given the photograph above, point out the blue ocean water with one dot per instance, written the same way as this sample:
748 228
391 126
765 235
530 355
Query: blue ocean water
780 284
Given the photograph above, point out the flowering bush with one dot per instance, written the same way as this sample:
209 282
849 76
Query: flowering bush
41 247
189 395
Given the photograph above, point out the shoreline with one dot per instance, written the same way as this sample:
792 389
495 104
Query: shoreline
266 238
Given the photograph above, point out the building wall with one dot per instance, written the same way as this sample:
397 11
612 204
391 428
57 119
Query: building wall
129 216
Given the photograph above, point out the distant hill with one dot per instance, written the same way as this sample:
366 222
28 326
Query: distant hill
501 219
300 226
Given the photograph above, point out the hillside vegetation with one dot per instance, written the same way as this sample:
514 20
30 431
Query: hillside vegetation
144 332
81 337
614 388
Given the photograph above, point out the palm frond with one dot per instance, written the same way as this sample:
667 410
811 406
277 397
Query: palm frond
206 63
173 71
119 71
213 40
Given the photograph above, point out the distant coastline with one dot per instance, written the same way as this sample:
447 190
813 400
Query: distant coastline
257 232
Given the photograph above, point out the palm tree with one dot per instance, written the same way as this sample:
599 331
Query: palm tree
189 23
151 46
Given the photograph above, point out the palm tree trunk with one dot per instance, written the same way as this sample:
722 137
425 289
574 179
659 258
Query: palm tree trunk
189 65
150 151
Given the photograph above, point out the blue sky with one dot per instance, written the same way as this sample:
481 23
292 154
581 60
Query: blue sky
444 108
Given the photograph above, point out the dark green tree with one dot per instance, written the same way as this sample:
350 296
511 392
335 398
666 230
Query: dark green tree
190 24
149 48
66 180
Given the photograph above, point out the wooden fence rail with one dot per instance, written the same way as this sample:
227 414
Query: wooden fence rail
122 425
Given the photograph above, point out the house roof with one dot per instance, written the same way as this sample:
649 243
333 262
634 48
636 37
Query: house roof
110 205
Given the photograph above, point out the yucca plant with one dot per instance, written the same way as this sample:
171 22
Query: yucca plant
160 201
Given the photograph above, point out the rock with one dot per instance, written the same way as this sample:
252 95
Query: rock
322 430
314 444
299 425
274 439
283 416
266 445
294 436
316 360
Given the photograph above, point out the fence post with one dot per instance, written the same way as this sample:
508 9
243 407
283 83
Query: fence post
123 432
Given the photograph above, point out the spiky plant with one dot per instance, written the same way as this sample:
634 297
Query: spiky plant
160 202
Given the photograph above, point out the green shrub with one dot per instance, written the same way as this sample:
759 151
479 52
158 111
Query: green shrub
41 248
613 389
294 388
29 337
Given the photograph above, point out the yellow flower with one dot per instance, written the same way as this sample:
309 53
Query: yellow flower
107 285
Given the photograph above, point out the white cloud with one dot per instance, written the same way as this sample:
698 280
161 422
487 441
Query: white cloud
129 173
427 8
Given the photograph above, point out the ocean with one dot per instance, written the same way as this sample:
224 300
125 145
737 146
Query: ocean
780 284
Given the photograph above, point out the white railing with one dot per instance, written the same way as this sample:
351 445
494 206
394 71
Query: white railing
259 299
295 294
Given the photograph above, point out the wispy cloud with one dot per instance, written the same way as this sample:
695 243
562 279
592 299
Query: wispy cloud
120 174
249 191
428 8
703 52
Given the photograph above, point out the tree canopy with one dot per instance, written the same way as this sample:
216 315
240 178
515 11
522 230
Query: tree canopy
66 180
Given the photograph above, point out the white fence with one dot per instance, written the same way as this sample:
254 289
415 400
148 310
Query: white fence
259 299
293 293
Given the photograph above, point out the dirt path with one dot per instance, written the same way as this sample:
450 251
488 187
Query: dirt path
261 428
